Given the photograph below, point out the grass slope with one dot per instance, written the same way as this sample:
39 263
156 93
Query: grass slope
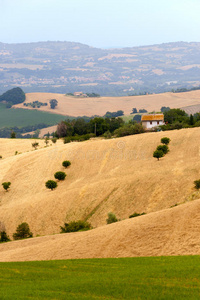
99 106
173 231
20 117
117 175
129 278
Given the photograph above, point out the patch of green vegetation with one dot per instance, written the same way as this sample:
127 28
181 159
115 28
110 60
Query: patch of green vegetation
35 104
13 96
127 118
122 278
136 215
22 117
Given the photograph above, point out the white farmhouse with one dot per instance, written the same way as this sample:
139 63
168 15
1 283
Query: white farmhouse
152 120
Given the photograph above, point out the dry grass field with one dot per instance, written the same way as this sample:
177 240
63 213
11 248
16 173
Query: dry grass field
172 231
99 106
117 175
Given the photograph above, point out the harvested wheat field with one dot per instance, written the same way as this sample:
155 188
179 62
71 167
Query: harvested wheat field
116 175
172 231
72 106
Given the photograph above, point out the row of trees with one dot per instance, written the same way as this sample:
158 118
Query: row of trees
22 232
177 119
97 126
51 184
80 126
163 149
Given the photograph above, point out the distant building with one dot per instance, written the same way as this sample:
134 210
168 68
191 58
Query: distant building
80 94
152 120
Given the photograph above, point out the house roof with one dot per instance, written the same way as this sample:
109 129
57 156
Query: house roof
153 117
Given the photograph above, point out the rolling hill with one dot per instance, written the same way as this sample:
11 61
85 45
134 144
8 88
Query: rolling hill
172 231
117 175
72 106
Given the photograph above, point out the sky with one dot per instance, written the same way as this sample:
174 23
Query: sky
100 23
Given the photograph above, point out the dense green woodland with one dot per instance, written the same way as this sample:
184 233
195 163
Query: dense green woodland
13 96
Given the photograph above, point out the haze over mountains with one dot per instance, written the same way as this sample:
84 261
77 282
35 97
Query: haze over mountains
65 67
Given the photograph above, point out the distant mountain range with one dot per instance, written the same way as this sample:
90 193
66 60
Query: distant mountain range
67 67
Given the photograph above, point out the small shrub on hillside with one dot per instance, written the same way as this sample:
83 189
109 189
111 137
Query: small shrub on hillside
163 148
0 156
165 140
54 140
158 154
13 135
66 140
136 215
6 185
107 135
4 237
35 145
197 184
46 140
22 232
51 184
66 163
111 218
75 226
60 175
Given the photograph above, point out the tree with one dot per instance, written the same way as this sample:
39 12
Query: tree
53 103
46 140
164 108
111 218
191 120
165 140
66 163
62 129
35 145
158 154
51 184
4 237
98 126
60 175
22 232
13 96
176 115
197 184
134 111
75 226
163 148
142 110
137 118
54 140
13 135
6 185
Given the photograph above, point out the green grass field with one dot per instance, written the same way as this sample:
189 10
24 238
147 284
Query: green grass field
23 117
120 278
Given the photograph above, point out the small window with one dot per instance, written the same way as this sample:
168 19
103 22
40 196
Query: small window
150 122
158 122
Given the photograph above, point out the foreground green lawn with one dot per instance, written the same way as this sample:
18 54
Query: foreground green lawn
23 117
122 278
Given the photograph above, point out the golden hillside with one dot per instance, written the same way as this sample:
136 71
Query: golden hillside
99 106
117 175
173 231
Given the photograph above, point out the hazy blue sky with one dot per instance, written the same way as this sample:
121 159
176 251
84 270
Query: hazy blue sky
100 23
